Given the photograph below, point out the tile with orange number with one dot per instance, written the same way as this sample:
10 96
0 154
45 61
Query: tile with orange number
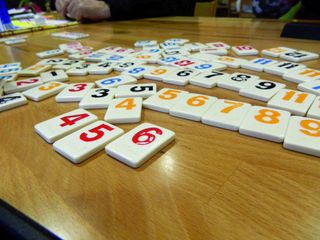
192 106
21 85
159 73
74 92
12 101
140 144
34 70
209 79
54 75
244 50
314 110
303 135
44 91
87 141
302 75
226 114
97 98
180 77
276 51
124 110
310 87
143 90
282 68
163 100
237 80
295 102
261 89
230 61
55 128
265 123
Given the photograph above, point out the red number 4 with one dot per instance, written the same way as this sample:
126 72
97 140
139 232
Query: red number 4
97 131
145 137
70 120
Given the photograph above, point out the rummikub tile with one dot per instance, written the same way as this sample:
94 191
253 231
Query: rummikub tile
11 101
230 61
138 71
116 81
282 68
100 68
303 136
6 71
215 51
44 91
310 87
209 79
74 92
8 78
258 64
54 75
265 123
302 75
52 61
55 128
97 98
50 53
237 80
299 56
95 57
204 67
168 60
34 70
261 89
140 144
180 77
120 67
244 50
205 57
67 64
276 51
142 43
295 102
226 114
192 106
21 85
80 70
10 65
87 141
136 90
218 45
124 110
159 73
314 110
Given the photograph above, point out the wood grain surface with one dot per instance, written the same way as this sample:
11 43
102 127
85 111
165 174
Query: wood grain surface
210 183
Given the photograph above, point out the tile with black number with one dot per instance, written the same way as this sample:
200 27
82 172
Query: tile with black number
204 67
67 64
120 67
140 144
282 68
180 77
50 53
295 102
265 123
44 91
124 110
276 51
209 79
226 114
87 141
299 56
74 92
55 128
100 68
54 75
80 70
12 101
143 90
97 98
237 80
261 89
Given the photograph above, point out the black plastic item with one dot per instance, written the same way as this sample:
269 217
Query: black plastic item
15 225
302 30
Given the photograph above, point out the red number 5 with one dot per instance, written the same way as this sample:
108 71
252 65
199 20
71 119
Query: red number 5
144 137
97 130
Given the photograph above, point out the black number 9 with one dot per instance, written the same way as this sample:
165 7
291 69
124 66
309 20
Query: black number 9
265 85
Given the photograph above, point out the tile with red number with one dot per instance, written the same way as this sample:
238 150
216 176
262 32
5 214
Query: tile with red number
54 75
34 70
295 102
124 110
87 141
265 123
244 50
299 56
314 110
21 85
237 80
282 68
192 106
209 79
44 91
226 114
261 89
115 81
140 144
159 73
143 90
97 98
138 71
303 135
55 128
74 92
218 45
180 77
275 52
302 75
163 100
12 101
258 64
310 87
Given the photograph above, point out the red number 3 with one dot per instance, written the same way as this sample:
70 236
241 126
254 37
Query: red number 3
144 137
98 133
78 87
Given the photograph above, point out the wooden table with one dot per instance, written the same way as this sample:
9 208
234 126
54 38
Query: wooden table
209 184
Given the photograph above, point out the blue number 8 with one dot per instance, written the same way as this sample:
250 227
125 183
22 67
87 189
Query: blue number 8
203 66
136 70
110 81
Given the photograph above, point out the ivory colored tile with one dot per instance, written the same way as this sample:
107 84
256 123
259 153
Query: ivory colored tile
209 79
299 56
54 75
237 80
310 87
204 67
79 70
136 90
74 92
258 64
159 73
180 77
97 98
282 68
44 91
34 70
302 75
50 53
138 71
21 85
12 101
276 51
314 110
244 50
115 81
100 68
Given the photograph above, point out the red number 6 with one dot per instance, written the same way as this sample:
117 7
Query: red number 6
146 136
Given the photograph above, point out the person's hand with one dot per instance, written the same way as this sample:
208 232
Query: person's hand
84 9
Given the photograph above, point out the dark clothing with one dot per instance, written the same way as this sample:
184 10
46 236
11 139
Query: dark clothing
130 9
